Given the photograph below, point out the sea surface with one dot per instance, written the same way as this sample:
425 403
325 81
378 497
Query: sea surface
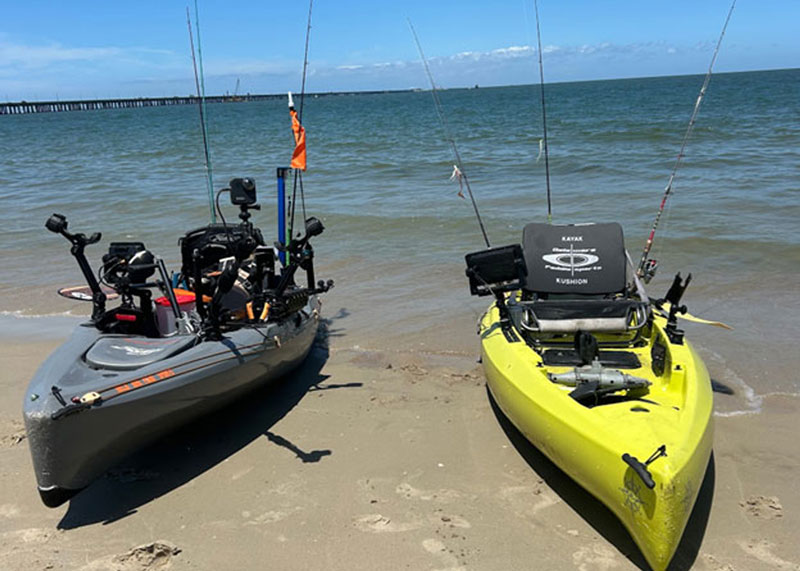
396 230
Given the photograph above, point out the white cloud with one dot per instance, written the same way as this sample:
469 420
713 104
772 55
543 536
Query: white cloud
42 56
27 70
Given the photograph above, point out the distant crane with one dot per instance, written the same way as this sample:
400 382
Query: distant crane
235 95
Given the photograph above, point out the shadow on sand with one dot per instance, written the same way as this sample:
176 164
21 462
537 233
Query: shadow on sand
599 516
201 445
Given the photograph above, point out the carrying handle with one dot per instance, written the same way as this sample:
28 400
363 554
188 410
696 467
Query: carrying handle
640 469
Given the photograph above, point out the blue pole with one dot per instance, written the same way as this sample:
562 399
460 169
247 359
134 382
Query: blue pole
282 211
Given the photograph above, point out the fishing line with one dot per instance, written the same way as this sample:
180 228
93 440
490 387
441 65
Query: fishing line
668 190
298 176
201 106
544 114
451 140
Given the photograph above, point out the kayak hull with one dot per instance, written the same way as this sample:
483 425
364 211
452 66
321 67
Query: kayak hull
70 449
588 442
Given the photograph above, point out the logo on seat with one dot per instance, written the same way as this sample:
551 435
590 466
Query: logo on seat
571 259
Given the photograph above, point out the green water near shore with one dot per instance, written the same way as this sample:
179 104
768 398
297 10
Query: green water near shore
396 230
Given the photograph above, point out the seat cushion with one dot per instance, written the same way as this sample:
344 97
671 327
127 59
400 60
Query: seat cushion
126 353
583 259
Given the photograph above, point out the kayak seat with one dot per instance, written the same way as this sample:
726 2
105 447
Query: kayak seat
127 353
574 259
577 280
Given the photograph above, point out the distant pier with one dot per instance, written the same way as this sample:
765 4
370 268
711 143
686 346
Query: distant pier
24 107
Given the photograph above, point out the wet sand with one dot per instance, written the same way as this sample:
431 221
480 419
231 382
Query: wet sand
371 458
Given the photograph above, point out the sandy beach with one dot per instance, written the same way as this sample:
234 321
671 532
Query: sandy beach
378 459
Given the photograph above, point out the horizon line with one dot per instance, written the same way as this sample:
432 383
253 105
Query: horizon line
227 97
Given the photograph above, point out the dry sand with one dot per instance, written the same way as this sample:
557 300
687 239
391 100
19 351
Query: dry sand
378 459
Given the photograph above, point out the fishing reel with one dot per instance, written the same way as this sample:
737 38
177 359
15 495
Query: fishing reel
299 249
649 270
300 255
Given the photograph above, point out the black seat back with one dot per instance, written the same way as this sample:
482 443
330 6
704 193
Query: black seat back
580 259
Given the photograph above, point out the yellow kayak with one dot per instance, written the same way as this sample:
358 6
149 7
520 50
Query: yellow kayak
623 405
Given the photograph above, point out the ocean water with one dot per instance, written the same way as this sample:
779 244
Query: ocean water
396 229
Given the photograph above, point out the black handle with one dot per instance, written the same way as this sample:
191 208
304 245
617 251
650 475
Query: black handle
70 409
640 469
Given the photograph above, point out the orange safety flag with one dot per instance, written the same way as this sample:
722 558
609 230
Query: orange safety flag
299 154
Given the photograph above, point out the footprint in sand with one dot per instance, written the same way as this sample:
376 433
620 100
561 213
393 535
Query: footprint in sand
763 507
155 555
410 492
450 520
271 516
8 510
439 549
13 439
716 565
30 535
377 523
595 557
529 500
761 549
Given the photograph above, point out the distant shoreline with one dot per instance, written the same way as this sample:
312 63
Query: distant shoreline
25 107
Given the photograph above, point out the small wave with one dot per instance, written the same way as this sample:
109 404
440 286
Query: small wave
753 401
759 399
20 314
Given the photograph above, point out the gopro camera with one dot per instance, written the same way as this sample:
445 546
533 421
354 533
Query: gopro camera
243 191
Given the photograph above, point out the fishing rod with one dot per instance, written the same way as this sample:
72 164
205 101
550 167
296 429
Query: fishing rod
544 115
647 267
459 170
298 176
201 99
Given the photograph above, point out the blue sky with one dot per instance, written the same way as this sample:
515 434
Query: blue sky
94 49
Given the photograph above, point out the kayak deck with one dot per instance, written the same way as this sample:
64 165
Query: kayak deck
588 441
